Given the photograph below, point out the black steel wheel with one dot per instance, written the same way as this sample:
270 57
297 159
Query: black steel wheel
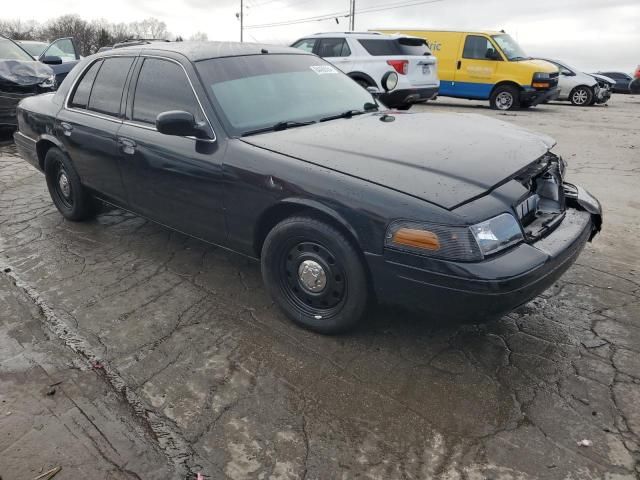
315 275
70 197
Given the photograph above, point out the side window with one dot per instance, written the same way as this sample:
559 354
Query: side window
333 47
62 48
163 86
80 97
306 44
477 48
106 93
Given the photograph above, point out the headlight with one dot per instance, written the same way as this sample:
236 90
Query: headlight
541 76
468 244
541 80
497 233
49 82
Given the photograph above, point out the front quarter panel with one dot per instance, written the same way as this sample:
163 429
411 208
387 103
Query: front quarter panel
259 180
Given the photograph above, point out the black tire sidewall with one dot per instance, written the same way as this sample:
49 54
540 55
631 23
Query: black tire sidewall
589 100
505 88
83 205
298 229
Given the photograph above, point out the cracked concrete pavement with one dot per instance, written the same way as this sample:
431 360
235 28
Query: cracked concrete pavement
216 378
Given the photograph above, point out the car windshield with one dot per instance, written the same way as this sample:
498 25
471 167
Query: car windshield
259 91
11 51
35 49
510 47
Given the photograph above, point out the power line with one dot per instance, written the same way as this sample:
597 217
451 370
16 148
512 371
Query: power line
344 14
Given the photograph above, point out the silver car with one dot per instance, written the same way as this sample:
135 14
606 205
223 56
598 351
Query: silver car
577 87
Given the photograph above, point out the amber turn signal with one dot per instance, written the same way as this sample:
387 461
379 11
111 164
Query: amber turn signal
540 85
411 237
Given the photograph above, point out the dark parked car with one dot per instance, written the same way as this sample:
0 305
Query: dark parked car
622 81
62 48
634 86
20 77
277 155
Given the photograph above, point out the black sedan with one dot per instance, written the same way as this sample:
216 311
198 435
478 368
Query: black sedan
622 81
20 77
275 154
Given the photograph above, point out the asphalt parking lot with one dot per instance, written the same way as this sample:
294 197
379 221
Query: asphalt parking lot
204 374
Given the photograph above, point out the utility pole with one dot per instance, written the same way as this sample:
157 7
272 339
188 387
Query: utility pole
352 15
241 20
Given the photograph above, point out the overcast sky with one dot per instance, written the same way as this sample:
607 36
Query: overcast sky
589 34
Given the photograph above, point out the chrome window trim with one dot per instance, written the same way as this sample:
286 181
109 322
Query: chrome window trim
130 122
195 94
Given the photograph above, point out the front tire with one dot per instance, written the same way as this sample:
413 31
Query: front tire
70 197
505 97
315 274
581 96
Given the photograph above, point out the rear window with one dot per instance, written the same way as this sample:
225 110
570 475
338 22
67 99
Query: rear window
81 95
397 46
108 86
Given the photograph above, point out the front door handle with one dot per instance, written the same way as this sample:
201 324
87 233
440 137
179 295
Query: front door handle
127 146
66 129
459 64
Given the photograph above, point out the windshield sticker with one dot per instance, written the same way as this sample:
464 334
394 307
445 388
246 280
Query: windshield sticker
323 69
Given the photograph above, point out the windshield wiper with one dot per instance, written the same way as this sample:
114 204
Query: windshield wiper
278 126
368 107
517 59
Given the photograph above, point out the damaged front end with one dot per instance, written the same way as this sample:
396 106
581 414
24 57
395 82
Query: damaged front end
18 80
549 198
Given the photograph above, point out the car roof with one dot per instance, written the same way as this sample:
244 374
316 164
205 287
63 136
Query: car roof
476 32
196 51
358 35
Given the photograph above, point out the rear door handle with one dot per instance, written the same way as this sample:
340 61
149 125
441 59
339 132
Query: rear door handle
459 64
127 146
66 129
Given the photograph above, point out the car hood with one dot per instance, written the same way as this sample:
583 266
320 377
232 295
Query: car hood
599 77
21 72
444 158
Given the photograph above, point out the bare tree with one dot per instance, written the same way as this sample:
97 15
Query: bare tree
88 36
199 37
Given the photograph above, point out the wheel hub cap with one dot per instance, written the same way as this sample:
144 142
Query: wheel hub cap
504 101
312 276
63 183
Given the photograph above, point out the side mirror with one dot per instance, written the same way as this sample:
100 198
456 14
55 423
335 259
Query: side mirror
374 91
389 81
181 124
51 60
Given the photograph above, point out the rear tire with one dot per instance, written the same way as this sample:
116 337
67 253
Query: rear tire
315 274
505 97
69 196
581 96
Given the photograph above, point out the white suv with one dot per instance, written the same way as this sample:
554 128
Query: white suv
366 57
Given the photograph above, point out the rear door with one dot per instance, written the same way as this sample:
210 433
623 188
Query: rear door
89 122
476 69
336 51
176 181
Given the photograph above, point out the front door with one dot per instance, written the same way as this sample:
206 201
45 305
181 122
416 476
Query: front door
176 181
476 68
